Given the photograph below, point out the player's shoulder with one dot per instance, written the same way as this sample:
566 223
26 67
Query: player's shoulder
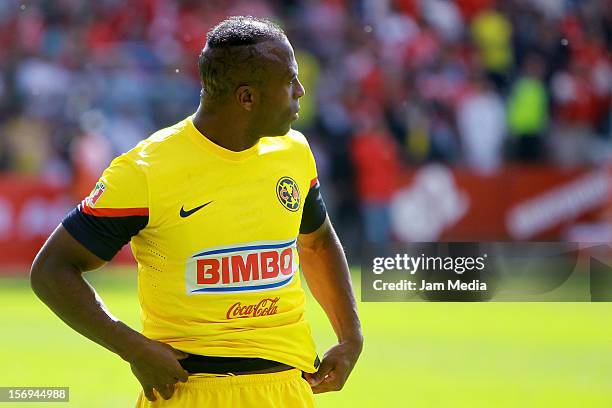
138 160
162 138
291 143
298 137
157 143
294 141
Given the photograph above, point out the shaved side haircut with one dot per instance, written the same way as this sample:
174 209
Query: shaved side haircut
231 56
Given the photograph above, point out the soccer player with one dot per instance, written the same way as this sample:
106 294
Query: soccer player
221 209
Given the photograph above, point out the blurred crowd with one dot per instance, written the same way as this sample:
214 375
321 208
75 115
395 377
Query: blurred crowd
389 83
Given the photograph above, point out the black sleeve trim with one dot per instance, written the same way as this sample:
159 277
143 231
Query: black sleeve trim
103 236
314 211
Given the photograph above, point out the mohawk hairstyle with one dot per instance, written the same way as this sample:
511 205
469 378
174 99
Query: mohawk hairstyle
229 49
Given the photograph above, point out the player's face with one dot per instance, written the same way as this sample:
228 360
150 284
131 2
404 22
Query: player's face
281 92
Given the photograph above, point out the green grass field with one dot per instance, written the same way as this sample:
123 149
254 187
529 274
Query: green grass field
416 354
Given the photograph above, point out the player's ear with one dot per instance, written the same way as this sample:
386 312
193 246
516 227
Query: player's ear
246 96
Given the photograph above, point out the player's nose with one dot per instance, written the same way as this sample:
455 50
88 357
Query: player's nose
299 90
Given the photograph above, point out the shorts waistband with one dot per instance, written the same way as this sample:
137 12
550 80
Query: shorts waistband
202 381
230 365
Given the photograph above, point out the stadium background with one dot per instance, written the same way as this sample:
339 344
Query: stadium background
430 120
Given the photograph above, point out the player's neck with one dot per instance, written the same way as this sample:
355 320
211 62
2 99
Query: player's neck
230 134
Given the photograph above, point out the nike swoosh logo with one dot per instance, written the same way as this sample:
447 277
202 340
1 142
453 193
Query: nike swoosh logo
185 214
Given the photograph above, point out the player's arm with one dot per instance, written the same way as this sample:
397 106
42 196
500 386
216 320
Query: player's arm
327 273
56 278
90 235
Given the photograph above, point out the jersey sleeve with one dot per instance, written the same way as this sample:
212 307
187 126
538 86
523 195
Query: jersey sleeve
115 211
314 212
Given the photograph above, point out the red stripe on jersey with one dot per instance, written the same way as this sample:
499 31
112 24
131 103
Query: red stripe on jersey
115 212
313 182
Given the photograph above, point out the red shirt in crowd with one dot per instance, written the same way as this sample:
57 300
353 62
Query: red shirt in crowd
374 155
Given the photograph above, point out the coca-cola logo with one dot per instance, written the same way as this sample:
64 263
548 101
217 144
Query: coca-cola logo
265 307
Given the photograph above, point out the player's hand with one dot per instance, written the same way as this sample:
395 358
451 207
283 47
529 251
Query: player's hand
156 367
336 366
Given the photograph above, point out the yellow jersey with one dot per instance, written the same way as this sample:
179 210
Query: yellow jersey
214 233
